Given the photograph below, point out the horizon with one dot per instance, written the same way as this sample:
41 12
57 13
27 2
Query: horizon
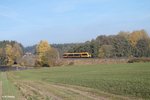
58 22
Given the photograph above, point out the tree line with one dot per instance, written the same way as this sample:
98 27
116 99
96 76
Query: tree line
124 44
13 53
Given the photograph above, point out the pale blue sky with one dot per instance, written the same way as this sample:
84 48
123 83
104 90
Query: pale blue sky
67 21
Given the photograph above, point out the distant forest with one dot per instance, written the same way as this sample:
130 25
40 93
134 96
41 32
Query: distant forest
124 44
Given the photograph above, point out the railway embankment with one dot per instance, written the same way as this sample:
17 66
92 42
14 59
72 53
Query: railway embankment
90 61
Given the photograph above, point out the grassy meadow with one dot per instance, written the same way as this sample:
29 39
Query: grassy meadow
128 80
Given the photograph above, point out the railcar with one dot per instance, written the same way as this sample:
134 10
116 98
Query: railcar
77 55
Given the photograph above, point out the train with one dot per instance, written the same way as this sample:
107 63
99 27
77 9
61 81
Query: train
77 55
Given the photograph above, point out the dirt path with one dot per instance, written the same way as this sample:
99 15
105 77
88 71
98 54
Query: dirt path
46 91
81 92
32 91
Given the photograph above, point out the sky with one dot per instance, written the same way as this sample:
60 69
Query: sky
70 21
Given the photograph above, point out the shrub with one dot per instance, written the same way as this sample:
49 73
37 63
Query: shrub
138 60
71 63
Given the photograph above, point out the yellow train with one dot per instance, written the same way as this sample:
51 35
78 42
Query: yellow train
77 55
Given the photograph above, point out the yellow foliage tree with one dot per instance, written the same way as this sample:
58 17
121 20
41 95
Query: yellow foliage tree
9 54
43 50
135 36
42 47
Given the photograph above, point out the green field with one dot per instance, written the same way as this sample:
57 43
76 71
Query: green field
128 80
115 81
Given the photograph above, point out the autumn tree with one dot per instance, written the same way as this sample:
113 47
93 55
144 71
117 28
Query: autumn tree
9 55
52 57
46 55
135 36
10 52
17 52
41 49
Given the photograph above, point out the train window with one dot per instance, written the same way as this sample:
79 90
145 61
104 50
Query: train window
84 54
64 54
76 54
70 54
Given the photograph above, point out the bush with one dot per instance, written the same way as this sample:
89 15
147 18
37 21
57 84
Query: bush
71 63
138 60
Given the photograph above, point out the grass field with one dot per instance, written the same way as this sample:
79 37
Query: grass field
127 80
